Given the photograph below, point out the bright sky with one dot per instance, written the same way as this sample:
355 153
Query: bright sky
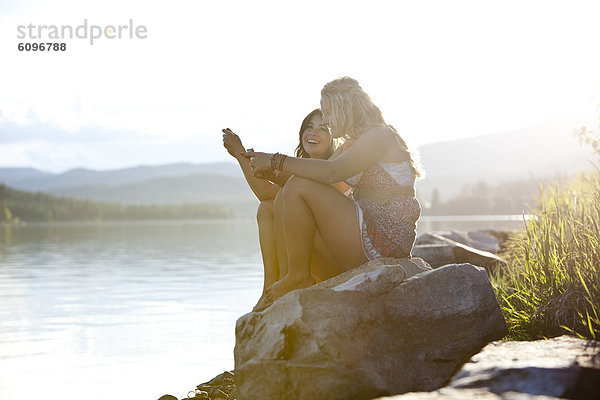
439 70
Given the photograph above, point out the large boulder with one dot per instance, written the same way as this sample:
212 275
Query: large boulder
447 251
565 367
373 331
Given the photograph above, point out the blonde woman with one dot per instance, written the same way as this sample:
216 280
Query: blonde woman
380 218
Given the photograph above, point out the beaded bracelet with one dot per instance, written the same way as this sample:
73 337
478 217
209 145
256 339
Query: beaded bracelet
277 163
281 160
274 161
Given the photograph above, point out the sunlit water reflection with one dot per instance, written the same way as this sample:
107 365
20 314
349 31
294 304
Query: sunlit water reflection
128 310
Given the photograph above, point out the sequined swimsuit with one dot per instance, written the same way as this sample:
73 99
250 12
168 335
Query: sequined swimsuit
387 223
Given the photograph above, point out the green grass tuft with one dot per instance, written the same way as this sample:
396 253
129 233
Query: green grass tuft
551 285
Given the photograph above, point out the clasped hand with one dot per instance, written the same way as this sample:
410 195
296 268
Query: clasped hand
260 163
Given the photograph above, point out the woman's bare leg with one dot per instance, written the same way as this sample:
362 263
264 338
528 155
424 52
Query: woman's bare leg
280 235
319 262
264 218
309 207
321 267
278 243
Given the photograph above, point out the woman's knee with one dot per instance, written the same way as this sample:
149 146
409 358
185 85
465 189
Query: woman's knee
297 185
265 211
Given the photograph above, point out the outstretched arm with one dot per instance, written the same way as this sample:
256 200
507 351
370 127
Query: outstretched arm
279 179
262 188
368 149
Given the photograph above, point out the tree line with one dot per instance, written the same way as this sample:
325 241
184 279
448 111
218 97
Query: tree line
16 206
480 198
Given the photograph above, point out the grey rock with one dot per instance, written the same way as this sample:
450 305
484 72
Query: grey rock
447 251
376 330
221 386
435 254
502 236
429 238
563 367
421 263
363 274
481 240
465 394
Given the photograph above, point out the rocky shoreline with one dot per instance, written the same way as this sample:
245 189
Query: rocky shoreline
291 351
221 387
565 367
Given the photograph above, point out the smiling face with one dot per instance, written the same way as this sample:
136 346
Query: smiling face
316 139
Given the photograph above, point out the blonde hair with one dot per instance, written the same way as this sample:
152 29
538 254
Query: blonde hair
353 112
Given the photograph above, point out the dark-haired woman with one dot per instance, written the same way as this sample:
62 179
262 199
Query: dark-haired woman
315 141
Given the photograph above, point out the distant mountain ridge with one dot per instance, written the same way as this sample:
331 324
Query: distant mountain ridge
219 183
194 188
35 180
537 151
9 176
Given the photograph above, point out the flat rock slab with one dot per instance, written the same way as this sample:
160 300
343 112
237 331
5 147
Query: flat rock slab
480 240
566 367
446 251
466 394
377 330
563 367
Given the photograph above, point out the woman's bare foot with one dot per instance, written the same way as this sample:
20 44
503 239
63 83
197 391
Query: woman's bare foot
280 288
260 300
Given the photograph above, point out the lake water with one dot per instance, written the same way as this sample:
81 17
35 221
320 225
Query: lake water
131 310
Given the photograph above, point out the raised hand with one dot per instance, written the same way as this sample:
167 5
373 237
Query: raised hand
232 143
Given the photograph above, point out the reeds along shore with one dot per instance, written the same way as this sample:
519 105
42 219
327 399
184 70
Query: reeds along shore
551 284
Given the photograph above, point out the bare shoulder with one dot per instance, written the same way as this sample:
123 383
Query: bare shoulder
386 136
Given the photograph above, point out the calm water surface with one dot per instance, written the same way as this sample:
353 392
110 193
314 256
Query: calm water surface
130 310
